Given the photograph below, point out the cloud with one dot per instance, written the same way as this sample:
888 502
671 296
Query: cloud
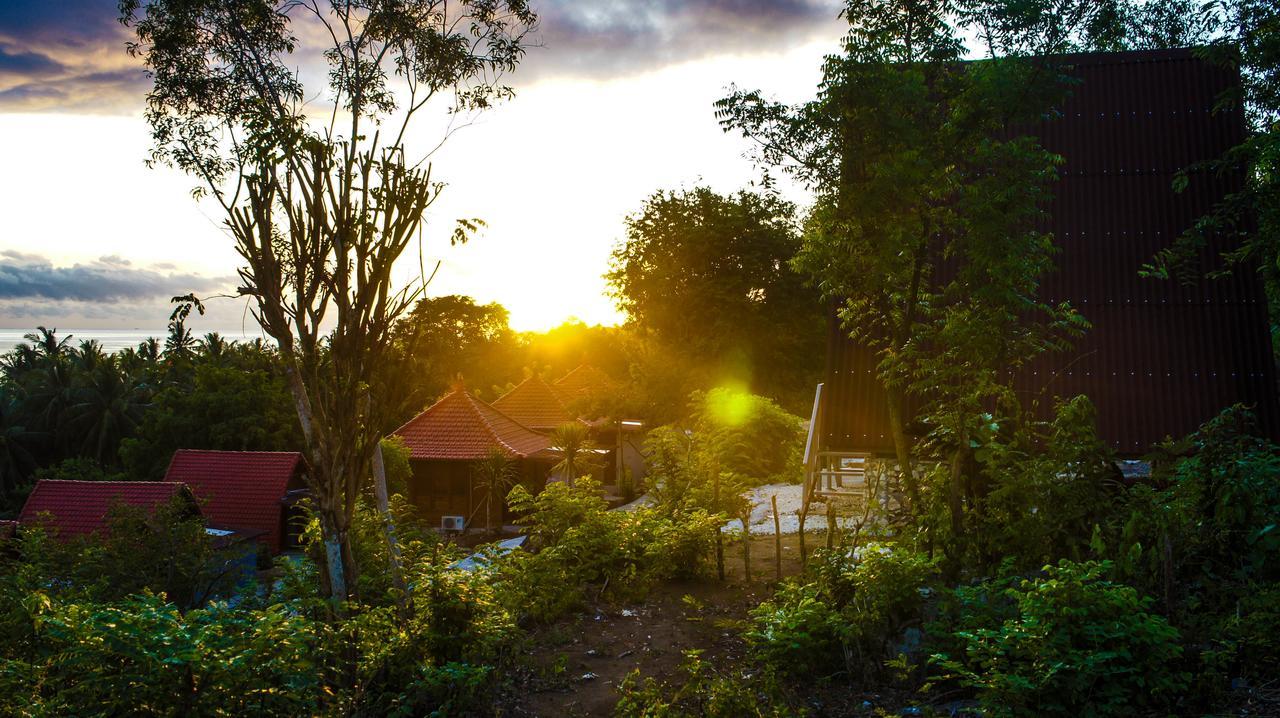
28 64
25 277
69 56
607 39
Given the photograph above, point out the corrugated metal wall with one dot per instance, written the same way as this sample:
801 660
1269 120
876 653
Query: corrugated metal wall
1161 357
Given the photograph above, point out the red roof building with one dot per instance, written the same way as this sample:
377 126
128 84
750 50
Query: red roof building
446 442
241 490
460 427
534 403
78 508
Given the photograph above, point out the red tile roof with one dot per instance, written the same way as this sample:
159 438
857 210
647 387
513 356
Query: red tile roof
461 427
584 379
76 508
536 405
239 490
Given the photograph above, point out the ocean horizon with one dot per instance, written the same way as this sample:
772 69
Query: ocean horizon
113 340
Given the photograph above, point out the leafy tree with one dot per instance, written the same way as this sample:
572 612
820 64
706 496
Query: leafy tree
708 275
321 212
229 408
442 337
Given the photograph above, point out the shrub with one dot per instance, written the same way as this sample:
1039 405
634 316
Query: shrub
141 656
1076 644
705 693
847 613
580 543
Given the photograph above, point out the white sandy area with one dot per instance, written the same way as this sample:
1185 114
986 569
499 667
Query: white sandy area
789 500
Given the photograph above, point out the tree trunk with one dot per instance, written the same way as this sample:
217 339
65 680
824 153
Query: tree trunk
804 558
389 528
902 447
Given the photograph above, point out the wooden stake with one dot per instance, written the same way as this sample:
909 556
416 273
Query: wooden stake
746 544
804 556
831 523
777 539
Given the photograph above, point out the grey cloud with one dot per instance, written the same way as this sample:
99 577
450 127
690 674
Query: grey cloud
107 91
28 64
619 37
110 279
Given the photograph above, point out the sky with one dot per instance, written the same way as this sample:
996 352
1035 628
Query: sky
614 103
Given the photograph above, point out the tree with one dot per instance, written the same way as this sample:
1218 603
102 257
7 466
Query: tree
709 276
321 212
576 449
495 475
924 225
442 337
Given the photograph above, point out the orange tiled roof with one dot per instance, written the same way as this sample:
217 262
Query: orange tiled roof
536 405
461 427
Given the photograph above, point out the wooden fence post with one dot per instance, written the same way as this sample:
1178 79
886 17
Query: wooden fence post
804 557
831 523
777 539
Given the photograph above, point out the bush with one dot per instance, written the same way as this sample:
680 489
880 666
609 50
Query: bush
141 656
705 693
848 612
1075 644
580 543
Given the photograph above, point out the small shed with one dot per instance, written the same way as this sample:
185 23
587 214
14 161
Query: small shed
446 442
80 508
246 491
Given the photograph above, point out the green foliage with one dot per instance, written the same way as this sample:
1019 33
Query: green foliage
708 275
1075 644
705 693
442 337
229 405
1214 522
581 543
847 612
142 656
1042 488
165 551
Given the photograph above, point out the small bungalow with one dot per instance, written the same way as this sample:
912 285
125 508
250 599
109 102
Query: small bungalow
246 491
447 441
80 508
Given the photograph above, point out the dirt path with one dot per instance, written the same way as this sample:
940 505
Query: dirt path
577 663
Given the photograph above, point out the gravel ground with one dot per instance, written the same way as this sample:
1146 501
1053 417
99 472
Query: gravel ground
789 499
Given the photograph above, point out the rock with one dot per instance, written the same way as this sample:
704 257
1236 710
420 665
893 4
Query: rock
588 676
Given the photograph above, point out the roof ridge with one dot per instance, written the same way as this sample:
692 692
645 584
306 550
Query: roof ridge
504 415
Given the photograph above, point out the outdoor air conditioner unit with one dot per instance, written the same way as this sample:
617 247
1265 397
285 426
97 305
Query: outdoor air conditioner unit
453 523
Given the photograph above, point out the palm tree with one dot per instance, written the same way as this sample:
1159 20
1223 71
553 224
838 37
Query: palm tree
47 343
16 459
495 475
214 347
577 451
108 407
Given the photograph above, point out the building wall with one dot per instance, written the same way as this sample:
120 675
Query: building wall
449 488
1161 358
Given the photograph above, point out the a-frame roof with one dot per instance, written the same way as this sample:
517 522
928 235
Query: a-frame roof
535 404
460 427
240 490
584 379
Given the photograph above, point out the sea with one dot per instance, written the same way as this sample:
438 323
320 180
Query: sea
113 340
